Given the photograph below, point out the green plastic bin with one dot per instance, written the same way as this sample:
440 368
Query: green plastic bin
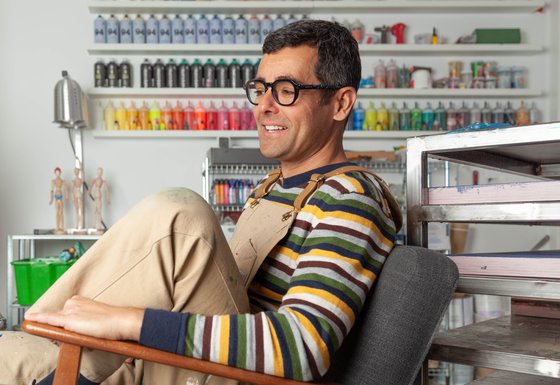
35 276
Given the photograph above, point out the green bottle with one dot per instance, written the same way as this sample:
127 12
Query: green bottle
416 118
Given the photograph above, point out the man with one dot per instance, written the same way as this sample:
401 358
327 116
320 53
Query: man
309 244
59 191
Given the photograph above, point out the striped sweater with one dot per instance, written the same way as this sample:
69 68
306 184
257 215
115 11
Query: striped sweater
307 293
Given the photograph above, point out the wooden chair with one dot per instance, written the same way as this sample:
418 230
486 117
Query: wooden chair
387 346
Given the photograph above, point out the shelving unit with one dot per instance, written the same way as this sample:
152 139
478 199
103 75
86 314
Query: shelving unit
527 345
24 246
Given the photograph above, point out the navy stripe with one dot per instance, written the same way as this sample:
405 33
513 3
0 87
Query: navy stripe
325 336
284 348
233 341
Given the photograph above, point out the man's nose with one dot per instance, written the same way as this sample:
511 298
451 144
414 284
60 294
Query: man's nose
267 102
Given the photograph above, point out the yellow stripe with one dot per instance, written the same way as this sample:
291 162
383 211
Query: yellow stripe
340 215
325 295
357 186
314 335
277 353
224 339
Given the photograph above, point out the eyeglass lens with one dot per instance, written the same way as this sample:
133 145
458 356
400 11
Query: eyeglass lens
283 91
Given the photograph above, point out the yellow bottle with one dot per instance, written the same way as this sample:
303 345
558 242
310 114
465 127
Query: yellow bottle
132 116
144 118
109 116
155 116
120 117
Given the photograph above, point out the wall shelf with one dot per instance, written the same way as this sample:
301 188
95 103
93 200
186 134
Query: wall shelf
311 7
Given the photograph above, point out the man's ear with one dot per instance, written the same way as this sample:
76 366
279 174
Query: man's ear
345 99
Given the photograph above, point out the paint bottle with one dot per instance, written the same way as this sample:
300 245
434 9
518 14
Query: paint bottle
463 116
215 30
144 117
246 118
394 117
190 30
152 30
112 30
392 75
498 113
200 117
382 118
234 118
178 117
428 118
109 116
475 114
167 116
291 19
146 74
99 73
370 117
241 30
138 30
155 116
247 71
222 120
132 117
509 114
415 118
125 74
177 30
125 30
100 30
534 114
522 115
234 72
209 73
120 116
278 23
184 74
451 122
171 74
159 74
228 30
196 74
188 113
112 73
380 75
266 27
202 30
211 117
486 113
222 74
164 30
254 30
404 118
358 121
440 118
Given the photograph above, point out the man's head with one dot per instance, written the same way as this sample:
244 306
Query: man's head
303 93
337 51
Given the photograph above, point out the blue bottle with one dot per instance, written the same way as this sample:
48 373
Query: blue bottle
241 30
215 30
152 30
164 30
291 19
266 27
202 30
125 30
100 30
358 121
138 30
254 29
190 30
278 23
177 30
112 30
228 30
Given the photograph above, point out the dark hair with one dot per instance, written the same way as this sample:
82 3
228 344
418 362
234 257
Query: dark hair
337 51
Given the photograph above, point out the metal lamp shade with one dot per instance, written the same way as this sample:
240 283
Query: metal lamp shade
70 105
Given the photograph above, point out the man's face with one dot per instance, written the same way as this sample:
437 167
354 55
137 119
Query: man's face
300 136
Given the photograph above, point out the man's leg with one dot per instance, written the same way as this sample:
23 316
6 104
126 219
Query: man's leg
168 253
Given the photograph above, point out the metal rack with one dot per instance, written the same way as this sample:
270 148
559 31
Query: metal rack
20 247
528 347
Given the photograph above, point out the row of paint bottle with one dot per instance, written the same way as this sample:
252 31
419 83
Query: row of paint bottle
196 74
189 30
112 74
438 119
178 117
231 191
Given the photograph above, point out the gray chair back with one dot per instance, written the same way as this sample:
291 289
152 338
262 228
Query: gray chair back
399 320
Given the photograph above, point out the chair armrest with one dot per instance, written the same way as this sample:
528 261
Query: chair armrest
135 350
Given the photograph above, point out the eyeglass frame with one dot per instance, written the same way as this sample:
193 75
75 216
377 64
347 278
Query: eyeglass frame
297 88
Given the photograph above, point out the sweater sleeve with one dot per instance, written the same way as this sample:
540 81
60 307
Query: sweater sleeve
328 264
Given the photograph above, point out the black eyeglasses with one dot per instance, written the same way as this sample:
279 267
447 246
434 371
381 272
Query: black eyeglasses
284 91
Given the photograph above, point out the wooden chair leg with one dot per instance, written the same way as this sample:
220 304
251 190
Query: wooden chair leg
68 365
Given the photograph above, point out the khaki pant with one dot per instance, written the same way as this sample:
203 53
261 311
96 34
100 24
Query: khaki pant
167 253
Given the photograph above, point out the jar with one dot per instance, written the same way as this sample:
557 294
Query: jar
503 77
455 68
466 80
490 69
477 68
454 82
518 77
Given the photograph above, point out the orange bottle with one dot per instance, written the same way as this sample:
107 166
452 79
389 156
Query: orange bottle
132 116
200 117
166 117
144 117
178 117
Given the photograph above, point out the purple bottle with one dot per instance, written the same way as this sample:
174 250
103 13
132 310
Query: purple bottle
177 30
100 30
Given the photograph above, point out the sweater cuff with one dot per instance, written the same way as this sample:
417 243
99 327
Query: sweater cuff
164 330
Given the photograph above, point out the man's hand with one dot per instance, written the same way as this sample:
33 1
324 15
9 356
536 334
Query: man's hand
84 316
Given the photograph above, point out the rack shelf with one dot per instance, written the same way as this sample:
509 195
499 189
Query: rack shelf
527 345
509 286
509 378
365 49
311 7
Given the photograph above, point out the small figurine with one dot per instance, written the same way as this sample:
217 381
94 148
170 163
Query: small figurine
67 254
97 186
384 33
77 193
59 191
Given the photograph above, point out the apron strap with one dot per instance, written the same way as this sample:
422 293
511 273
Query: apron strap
267 185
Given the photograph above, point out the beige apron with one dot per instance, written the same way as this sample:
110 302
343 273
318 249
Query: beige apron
263 224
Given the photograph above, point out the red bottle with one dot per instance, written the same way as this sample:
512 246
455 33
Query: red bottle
188 113
234 118
212 117
200 116
166 117
222 117
178 117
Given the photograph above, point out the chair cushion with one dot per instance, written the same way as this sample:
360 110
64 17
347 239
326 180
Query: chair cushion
395 328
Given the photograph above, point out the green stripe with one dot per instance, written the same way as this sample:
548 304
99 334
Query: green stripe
292 347
331 283
189 338
325 325
270 278
241 341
